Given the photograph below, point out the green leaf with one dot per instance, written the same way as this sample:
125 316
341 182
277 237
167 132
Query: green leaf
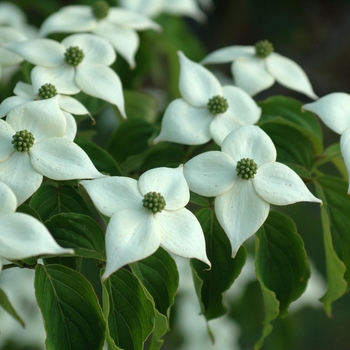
160 328
50 200
281 260
211 284
26 209
158 273
333 154
70 308
102 160
140 105
128 309
335 222
290 110
199 200
7 306
80 232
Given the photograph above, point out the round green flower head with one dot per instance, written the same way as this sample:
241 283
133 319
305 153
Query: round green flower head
47 91
263 48
73 55
246 168
154 202
23 141
100 9
217 105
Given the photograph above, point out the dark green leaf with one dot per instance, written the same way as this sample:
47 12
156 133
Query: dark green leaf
70 308
26 209
50 200
160 328
7 306
211 284
158 273
129 310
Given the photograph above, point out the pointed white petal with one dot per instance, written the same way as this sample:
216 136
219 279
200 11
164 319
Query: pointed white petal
131 19
210 174
101 82
60 159
124 40
222 125
10 35
42 118
71 105
10 103
23 236
289 74
333 109
18 173
41 52
197 84
170 183
249 141
77 18
8 201
184 8
8 58
183 123
182 234
95 48
71 129
6 133
229 54
24 90
62 77
251 75
345 150
277 184
111 194
240 212
131 235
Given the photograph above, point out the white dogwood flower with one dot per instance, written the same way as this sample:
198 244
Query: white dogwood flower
146 214
256 68
21 235
32 146
117 25
334 110
206 110
245 179
25 93
79 63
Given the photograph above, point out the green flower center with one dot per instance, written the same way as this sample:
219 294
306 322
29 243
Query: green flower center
154 202
246 168
100 9
23 141
73 55
217 105
263 48
47 91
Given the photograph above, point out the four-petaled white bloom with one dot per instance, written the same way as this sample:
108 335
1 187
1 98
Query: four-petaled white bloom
119 26
32 146
146 214
153 8
27 93
256 68
21 235
245 179
206 110
7 58
334 110
80 62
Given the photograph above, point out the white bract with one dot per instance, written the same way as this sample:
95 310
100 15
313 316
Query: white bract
153 8
8 58
27 93
79 63
21 235
140 219
206 110
334 110
245 179
117 25
256 68
32 146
